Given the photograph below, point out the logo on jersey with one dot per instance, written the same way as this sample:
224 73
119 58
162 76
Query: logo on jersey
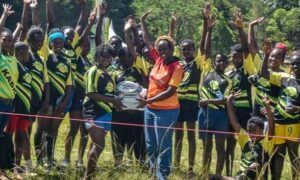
62 68
291 92
37 65
27 78
109 87
214 85
130 78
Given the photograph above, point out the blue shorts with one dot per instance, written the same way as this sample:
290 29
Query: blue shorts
213 120
103 122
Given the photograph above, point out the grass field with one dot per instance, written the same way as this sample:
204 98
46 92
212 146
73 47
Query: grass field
106 169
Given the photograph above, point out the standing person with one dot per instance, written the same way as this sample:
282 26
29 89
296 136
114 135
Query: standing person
82 65
18 125
286 113
98 104
243 68
188 94
8 80
162 101
213 92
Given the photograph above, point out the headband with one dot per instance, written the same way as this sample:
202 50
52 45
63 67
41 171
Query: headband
56 35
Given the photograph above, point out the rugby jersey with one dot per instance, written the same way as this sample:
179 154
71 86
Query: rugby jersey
8 76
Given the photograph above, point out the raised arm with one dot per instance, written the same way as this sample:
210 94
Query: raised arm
172 27
24 20
231 114
7 11
211 21
128 26
251 36
137 40
17 33
91 22
50 15
238 24
82 17
35 13
271 125
101 12
206 14
264 72
146 36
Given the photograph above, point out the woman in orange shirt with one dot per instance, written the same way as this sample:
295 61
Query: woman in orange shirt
162 103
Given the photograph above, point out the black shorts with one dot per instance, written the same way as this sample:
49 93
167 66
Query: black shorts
77 105
188 115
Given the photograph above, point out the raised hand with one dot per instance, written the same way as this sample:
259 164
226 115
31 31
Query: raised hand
146 14
256 21
102 8
211 21
206 12
7 9
93 15
238 20
266 102
267 46
174 19
83 1
34 4
27 1
129 24
19 25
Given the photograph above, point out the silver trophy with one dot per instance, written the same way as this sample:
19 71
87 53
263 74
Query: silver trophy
129 92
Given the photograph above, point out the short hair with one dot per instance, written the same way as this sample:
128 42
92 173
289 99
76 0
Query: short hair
117 37
20 46
6 30
223 56
33 32
55 30
296 53
189 41
67 27
124 52
258 121
103 50
165 38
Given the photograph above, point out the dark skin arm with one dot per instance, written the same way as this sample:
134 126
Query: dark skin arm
146 35
204 103
206 14
62 105
251 36
173 26
264 72
128 26
137 41
238 24
271 130
35 13
82 17
47 96
89 26
231 114
50 15
207 48
17 33
115 101
161 96
7 11
99 23
24 19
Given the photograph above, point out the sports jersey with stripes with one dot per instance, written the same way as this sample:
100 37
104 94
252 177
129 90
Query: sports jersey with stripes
8 76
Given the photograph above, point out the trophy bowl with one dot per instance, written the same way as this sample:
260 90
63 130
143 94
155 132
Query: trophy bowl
129 92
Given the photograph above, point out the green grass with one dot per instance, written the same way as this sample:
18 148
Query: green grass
106 169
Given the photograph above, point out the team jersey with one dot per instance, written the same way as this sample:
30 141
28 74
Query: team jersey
23 89
253 152
239 77
143 66
289 95
39 73
83 65
8 76
214 85
60 75
71 55
130 74
100 82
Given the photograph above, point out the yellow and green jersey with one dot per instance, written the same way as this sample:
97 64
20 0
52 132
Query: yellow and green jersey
253 152
100 82
39 73
22 102
214 85
289 95
8 76
60 76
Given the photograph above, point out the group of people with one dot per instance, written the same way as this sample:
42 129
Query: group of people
245 97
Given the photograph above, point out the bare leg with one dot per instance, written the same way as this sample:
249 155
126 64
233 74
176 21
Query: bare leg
192 144
220 146
277 161
178 143
294 158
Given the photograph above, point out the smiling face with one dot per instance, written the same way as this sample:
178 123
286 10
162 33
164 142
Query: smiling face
116 43
69 35
85 47
57 45
187 50
220 63
6 42
276 58
237 59
164 49
37 42
295 64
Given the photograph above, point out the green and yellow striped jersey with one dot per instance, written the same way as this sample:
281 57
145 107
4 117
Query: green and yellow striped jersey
8 76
